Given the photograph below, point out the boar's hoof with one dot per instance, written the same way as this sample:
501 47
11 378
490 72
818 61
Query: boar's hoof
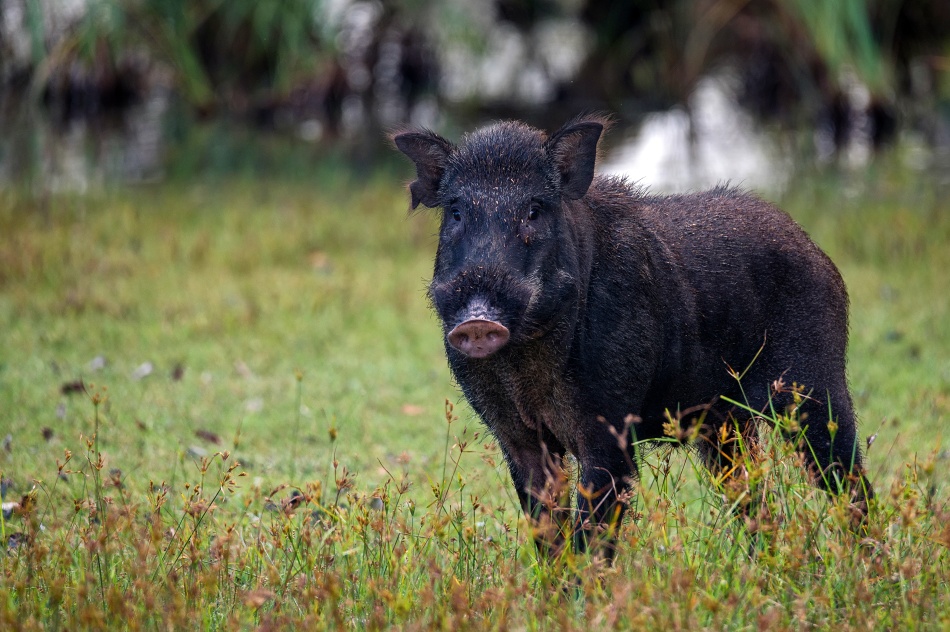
478 338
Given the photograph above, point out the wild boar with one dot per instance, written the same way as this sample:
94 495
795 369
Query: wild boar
572 302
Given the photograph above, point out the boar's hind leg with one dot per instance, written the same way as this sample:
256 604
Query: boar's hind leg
537 471
832 451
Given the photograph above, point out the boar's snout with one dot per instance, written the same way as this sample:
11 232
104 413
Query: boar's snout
479 338
482 309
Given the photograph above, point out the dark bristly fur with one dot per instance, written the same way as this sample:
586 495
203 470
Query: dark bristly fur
622 303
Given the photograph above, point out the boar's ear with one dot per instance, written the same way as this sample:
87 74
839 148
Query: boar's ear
574 148
429 151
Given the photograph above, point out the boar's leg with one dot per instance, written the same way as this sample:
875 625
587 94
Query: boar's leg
606 471
832 452
537 471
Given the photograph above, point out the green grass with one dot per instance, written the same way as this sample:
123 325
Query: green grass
296 316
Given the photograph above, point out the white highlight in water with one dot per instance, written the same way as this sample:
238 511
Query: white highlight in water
671 153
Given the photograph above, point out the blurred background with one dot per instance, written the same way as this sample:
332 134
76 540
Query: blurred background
100 91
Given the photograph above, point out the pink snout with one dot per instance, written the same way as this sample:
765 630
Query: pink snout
479 338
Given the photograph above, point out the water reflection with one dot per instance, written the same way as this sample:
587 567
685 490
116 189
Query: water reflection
83 152
712 142
715 141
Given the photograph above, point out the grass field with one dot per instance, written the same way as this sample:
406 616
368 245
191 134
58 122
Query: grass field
224 404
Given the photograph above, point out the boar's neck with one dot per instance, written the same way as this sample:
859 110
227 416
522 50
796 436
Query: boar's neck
579 261
530 391
638 307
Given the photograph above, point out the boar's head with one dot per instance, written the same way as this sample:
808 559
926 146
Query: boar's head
507 265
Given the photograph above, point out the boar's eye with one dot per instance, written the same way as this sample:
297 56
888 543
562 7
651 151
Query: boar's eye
456 215
534 212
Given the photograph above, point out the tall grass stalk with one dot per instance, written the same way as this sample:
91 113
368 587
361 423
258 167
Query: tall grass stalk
298 403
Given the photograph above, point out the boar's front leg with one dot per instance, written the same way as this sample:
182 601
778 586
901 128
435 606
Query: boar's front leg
537 470
606 472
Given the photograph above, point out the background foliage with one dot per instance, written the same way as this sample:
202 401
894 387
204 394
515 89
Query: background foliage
356 65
